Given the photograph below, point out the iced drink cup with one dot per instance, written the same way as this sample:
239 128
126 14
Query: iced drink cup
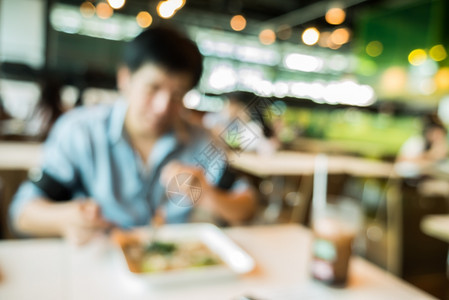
332 246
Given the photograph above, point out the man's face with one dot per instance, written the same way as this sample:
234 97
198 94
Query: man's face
155 98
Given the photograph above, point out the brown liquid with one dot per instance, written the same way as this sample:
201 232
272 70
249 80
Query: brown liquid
331 252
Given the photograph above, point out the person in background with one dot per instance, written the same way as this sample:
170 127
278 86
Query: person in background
239 106
431 146
3 116
48 109
114 165
3 113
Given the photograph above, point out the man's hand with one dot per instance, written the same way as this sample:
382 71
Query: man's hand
84 221
198 178
232 206
175 168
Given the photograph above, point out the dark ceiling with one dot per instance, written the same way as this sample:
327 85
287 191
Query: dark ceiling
401 25
259 13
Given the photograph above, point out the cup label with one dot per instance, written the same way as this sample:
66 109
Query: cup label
325 250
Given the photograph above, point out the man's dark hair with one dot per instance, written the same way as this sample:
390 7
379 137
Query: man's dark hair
167 48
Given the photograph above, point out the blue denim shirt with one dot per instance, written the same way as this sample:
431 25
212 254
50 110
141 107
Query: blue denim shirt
88 151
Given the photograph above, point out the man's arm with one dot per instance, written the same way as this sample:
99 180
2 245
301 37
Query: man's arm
40 217
41 206
77 220
232 206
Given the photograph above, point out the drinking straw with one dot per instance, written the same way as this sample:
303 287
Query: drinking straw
319 185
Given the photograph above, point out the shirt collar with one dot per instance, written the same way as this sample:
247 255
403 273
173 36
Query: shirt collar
163 147
117 121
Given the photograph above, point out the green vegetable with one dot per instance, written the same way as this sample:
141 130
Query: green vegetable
161 248
206 261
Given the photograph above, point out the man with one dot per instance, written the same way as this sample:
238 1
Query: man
114 162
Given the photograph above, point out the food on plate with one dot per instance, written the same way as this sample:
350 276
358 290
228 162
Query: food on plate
164 256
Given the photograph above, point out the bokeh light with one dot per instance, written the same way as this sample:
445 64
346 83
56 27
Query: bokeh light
116 4
442 79
238 22
417 57
438 53
335 16
310 36
349 92
304 63
267 37
192 99
87 9
427 86
144 19
222 77
427 69
338 62
394 80
166 9
280 89
333 46
178 4
324 39
284 32
340 36
367 67
374 48
104 11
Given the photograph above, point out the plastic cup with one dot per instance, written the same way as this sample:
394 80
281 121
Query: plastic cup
334 228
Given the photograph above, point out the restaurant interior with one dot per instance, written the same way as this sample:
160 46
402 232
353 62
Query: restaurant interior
319 105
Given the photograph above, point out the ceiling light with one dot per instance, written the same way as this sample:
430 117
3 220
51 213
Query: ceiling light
144 19
310 36
87 9
301 62
335 16
374 48
438 53
238 22
340 36
104 11
417 57
116 4
267 37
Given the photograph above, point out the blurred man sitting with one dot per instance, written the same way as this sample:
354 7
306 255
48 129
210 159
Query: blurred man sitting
114 162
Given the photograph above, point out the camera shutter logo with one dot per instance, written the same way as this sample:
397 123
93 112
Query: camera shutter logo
184 190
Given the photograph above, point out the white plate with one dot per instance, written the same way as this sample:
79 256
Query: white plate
236 261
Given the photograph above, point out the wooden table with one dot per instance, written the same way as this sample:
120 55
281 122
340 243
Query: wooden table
302 163
293 163
51 269
19 155
24 155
